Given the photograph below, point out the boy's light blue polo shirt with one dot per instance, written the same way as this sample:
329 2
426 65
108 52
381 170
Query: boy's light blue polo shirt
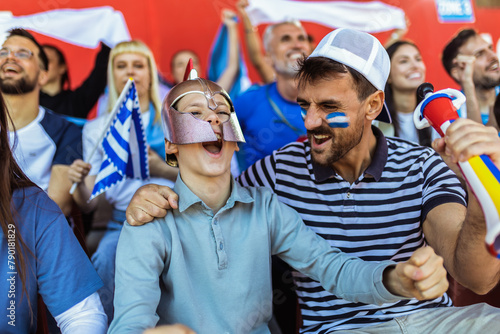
212 272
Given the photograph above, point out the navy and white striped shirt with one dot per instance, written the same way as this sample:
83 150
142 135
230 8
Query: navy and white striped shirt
378 217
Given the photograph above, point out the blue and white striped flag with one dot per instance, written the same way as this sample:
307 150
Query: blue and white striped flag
219 59
124 145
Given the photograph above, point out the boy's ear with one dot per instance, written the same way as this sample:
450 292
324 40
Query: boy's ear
375 105
170 148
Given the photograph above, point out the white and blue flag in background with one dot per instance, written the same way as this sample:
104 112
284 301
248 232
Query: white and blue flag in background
124 145
219 59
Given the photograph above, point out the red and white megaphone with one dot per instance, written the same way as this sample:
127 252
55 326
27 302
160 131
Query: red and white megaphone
439 109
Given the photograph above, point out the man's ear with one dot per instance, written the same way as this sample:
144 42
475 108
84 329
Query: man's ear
43 77
170 148
62 69
375 102
268 59
454 73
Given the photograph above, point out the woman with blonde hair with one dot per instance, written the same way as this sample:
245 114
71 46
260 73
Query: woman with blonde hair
132 59
142 64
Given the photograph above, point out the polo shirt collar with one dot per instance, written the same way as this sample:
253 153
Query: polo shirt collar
375 168
187 198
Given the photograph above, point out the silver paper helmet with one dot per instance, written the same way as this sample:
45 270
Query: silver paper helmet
184 128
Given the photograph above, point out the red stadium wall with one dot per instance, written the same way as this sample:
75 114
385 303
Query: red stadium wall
169 25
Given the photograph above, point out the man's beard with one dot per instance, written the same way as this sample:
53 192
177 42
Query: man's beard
487 83
338 148
21 86
286 68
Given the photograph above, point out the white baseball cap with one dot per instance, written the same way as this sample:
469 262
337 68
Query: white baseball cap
361 52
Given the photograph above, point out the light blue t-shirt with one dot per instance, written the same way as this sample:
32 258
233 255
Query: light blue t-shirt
62 273
212 272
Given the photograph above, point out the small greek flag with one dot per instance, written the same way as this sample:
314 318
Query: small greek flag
124 145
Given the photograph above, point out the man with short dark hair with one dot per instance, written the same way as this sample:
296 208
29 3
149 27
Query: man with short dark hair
470 60
373 197
44 144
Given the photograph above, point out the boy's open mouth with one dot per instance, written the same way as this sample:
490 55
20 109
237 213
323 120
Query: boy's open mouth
214 146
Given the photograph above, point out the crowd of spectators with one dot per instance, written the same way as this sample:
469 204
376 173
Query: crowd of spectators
332 139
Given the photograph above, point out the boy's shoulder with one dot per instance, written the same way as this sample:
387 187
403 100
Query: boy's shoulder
157 233
153 227
258 194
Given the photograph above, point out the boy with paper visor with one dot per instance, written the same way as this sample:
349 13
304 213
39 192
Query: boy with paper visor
207 264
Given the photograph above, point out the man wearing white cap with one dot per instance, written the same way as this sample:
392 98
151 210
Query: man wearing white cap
373 197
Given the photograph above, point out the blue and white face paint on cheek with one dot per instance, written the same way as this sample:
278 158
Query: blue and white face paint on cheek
337 120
